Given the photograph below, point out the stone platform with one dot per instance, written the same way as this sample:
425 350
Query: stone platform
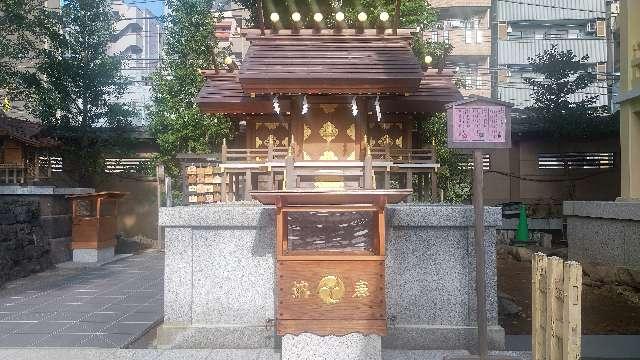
604 232
220 277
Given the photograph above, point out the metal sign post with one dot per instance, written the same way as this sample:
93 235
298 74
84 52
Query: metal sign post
476 124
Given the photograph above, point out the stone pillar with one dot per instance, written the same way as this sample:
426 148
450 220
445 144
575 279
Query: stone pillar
348 347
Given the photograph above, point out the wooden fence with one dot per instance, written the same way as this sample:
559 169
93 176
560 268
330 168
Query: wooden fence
556 302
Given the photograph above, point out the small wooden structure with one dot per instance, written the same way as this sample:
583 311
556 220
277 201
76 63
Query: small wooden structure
557 302
24 153
330 253
94 220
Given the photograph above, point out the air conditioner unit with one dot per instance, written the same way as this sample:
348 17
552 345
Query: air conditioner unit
592 27
615 8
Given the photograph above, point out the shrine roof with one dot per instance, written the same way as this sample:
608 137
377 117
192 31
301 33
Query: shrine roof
329 64
24 131
223 93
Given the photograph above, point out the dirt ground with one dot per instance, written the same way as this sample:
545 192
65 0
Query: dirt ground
604 310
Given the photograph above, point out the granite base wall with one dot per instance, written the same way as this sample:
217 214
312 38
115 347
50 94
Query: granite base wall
220 277
35 228
604 233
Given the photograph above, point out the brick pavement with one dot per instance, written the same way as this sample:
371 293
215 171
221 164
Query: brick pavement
109 306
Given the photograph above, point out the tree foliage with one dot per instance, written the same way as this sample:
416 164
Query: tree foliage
454 178
69 82
562 103
176 122
414 13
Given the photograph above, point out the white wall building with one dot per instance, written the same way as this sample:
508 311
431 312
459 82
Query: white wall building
139 39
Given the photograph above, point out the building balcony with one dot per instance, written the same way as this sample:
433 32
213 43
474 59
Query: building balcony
466 42
459 3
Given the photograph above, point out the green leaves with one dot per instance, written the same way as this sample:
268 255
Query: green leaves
190 45
72 85
563 100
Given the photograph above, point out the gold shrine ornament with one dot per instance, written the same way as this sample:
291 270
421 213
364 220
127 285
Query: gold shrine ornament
331 289
300 290
328 131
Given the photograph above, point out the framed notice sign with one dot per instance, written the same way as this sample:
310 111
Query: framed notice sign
479 123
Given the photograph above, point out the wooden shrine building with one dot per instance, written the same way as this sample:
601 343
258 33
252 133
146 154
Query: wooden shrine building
322 109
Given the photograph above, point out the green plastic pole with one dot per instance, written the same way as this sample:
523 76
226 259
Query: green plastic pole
522 234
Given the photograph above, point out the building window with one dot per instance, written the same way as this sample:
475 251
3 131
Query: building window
578 160
486 163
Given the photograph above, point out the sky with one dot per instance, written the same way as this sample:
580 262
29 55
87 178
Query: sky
154 5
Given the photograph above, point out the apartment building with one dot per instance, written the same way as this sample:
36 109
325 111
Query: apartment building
466 24
138 38
528 27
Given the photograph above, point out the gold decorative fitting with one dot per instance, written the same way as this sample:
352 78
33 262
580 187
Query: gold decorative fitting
300 290
385 140
361 290
307 131
271 139
351 131
399 142
331 289
328 155
258 142
328 131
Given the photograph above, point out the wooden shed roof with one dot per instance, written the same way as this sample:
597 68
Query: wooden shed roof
329 64
26 132
222 93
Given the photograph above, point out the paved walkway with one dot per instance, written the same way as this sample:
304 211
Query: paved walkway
109 306
203 354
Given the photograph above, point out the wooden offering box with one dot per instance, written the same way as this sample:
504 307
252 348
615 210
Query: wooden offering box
95 220
330 248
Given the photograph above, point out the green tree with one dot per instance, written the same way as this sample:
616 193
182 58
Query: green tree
72 85
562 103
176 122
414 13
454 177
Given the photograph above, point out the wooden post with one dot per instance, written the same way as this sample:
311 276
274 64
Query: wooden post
571 316
290 178
247 185
36 173
435 194
387 180
223 186
555 288
481 291
368 171
538 306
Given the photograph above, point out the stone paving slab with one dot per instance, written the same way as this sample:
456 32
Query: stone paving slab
109 306
205 354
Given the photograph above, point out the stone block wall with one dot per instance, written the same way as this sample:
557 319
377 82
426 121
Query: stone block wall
23 249
220 277
35 229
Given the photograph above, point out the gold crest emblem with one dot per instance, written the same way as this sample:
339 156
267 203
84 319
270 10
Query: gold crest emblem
331 289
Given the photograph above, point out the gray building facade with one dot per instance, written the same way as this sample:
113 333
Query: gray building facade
528 27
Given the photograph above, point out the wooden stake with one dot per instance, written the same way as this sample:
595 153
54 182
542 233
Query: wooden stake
555 295
396 20
571 316
538 305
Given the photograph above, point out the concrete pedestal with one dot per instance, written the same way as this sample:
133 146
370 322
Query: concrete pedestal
93 255
220 277
604 232
349 347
